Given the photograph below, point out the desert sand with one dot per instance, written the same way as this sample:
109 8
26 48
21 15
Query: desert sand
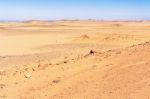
86 59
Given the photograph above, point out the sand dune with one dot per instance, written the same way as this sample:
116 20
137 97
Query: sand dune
75 60
125 76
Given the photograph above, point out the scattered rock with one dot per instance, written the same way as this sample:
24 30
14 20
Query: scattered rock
27 75
55 81
65 62
2 86
57 63
50 63
92 52
16 83
43 66
33 69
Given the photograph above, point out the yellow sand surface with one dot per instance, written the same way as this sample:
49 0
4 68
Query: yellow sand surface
75 60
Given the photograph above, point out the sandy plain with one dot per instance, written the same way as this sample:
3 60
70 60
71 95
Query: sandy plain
75 60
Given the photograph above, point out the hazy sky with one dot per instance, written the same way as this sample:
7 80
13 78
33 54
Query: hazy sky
74 9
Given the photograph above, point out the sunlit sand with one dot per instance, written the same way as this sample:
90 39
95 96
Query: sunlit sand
75 60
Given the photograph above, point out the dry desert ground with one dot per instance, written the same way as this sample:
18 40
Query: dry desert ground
75 60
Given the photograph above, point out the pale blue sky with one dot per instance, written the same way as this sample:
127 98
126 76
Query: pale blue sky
74 9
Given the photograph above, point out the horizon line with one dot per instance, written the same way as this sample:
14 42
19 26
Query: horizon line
89 19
